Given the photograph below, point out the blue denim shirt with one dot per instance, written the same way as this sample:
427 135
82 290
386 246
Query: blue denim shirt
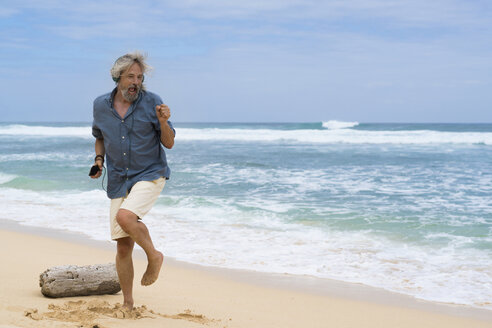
132 143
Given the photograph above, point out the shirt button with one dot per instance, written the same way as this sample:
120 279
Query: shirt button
122 121
124 154
122 137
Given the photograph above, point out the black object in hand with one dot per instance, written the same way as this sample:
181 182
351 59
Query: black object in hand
94 170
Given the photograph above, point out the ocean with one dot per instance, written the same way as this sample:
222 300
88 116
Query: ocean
403 207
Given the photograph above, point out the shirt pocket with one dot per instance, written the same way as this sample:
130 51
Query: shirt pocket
144 142
143 129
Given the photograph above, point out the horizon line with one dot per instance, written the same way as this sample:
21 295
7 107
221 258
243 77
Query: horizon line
257 122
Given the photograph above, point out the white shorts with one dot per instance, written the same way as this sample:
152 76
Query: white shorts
140 200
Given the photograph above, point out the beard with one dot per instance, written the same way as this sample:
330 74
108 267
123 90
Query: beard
131 96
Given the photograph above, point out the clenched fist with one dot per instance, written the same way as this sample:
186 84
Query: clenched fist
163 113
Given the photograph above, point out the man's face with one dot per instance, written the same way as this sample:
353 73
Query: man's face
130 82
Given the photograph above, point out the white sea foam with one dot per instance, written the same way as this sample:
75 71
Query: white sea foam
334 125
267 243
46 131
335 135
347 136
83 212
213 230
51 156
291 182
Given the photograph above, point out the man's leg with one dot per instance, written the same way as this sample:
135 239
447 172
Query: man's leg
124 267
140 234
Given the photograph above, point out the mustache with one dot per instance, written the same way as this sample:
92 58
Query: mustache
130 97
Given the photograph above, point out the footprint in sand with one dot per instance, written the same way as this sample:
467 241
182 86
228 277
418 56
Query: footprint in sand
87 312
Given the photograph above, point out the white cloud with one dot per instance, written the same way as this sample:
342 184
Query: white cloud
401 12
115 19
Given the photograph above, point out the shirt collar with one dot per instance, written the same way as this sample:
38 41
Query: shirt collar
112 94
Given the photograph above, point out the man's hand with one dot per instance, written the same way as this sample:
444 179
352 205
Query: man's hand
163 113
98 162
167 134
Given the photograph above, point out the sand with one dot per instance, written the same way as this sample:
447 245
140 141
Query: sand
193 296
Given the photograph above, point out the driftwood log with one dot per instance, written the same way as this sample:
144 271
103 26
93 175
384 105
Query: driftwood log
72 280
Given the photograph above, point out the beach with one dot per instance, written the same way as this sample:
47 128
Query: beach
323 224
326 163
192 296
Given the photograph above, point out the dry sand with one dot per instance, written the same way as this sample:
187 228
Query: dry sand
193 296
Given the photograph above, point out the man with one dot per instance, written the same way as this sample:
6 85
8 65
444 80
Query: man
129 125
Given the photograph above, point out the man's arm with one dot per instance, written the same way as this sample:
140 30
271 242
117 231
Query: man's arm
167 134
100 150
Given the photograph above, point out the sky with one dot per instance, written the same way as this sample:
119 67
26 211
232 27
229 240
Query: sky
253 61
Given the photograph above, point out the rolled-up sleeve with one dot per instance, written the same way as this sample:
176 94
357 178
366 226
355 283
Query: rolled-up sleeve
96 132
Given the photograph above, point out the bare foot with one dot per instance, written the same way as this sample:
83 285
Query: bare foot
153 268
128 306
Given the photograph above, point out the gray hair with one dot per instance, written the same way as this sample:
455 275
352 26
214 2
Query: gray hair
124 62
